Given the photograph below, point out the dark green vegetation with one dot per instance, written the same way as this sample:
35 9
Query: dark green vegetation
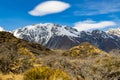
83 62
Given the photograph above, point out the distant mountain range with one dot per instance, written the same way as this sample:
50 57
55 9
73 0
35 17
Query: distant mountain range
56 36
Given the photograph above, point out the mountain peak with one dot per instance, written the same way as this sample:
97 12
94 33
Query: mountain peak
42 33
1 29
115 31
47 25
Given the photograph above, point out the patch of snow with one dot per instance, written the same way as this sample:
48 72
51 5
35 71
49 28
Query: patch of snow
1 29
115 31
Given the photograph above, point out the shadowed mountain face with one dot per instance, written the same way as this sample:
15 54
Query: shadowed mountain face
62 42
101 40
17 55
55 36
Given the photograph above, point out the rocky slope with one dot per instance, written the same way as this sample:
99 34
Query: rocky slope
63 37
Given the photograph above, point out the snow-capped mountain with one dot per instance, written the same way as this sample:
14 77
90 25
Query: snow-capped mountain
44 33
1 29
101 39
64 37
114 31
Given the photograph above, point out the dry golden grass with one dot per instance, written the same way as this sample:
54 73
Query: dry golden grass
25 51
11 76
84 50
58 51
98 68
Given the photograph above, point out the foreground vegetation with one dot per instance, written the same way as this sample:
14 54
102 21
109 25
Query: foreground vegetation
45 73
100 67
67 68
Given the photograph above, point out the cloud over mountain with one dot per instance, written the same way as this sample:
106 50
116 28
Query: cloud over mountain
49 7
90 24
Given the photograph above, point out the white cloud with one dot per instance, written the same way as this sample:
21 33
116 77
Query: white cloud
90 24
49 7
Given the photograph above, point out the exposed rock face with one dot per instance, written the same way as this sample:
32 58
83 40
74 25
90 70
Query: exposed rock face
62 42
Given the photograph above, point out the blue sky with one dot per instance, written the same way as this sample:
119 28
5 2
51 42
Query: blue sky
80 14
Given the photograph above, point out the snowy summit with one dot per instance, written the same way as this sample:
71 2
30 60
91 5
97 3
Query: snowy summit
1 29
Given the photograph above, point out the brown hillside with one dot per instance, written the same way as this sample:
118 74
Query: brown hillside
17 55
85 49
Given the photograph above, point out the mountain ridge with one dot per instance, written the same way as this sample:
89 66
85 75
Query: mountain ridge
56 36
43 32
63 37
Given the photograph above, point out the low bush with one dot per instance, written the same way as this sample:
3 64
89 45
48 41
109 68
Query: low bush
45 73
